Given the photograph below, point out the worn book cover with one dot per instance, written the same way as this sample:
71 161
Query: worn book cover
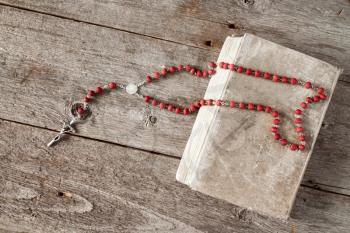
231 153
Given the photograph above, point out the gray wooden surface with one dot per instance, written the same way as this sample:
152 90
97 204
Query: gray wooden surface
118 173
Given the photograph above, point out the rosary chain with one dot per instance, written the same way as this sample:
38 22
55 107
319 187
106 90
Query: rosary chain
82 111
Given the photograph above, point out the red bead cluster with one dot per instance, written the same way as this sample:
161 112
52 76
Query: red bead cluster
156 76
171 70
320 96
190 69
93 93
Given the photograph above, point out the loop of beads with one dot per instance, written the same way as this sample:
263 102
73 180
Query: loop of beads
195 106
319 96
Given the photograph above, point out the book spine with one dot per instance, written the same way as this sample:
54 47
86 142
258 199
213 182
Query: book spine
195 147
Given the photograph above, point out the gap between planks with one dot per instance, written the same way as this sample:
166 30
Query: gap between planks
314 186
90 138
113 188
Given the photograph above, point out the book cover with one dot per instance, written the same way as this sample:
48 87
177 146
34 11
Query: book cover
231 153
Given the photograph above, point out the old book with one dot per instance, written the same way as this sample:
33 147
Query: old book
231 154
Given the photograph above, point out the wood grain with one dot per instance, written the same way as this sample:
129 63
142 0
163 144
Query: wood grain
84 185
52 50
45 60
317 28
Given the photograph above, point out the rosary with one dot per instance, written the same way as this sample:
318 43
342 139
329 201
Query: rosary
81 111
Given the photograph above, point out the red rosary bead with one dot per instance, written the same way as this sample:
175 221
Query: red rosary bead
218 103
293 147
193 108
274 129
320 90
146 99
259 108
266 75
250 106
297 111
80 110
293 81
231 67
172 69
177 110
276 121
225 66
180 67
277 136
232 104
112 85
221 64
283 142
302 138
210 72
301 147
197 104
299 129
188 68
193 71
161 105
186 111
303 105
257 73
164 71
322 96
284 79
307 85
170 108
248 71
241 105
297 120
98 90
148 79
240 69
91 93
316 98
205 73
154 102
309 100
275 78
268 109
274 114
199 73
86 99
156 74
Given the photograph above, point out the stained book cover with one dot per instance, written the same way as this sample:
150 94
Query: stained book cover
231 153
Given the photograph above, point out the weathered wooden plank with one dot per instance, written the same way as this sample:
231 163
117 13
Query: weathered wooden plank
331 155
46 60
89 186
318 28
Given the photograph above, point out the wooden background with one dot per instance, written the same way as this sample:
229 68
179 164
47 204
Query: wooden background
118 173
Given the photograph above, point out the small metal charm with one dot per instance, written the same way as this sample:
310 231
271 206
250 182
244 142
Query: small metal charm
75 117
